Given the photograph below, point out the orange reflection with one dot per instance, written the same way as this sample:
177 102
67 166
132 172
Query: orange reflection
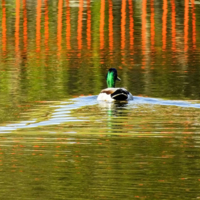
4 29
144 14
164 28
102 16
79 30
59 26
193 25
123 24
110 25
152 26
186 19
131 24
24 26
46 25
88 25
38 25
68 24
17 20
173 25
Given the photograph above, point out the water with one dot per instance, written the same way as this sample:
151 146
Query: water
58 141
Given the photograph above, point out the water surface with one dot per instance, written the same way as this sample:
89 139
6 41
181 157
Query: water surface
58 141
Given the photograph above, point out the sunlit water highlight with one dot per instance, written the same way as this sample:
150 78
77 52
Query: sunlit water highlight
62 111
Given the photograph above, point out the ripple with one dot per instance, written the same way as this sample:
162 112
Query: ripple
88 109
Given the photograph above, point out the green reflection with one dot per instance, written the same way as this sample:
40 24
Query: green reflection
114 151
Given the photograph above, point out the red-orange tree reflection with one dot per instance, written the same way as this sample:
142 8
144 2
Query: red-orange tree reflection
164 25
186 20
25 28
4 28
38 25
88 25
46 26
173 15
59 26
193 25
17 21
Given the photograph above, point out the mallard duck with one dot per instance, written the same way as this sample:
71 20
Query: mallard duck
111 93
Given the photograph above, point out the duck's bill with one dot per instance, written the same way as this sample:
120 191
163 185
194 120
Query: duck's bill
118 79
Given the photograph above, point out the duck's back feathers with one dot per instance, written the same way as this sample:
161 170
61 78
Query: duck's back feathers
105 94
120 94
112 94
108 90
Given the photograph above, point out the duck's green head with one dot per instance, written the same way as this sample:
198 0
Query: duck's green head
111 77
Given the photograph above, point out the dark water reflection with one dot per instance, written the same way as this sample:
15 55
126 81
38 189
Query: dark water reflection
57 146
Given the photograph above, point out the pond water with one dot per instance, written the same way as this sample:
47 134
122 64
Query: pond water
57 141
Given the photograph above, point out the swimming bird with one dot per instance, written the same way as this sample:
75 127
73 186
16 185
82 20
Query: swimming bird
111 93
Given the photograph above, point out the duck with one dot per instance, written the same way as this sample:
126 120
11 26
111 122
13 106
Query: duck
111 93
